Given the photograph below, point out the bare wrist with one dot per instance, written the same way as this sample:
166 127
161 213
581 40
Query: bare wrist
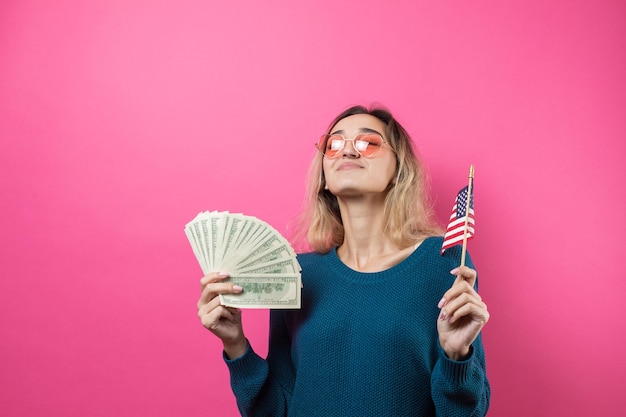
236 349
459 356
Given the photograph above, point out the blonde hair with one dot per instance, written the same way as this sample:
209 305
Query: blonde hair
408 207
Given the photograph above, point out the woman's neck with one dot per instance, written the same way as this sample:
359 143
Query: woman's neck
365 246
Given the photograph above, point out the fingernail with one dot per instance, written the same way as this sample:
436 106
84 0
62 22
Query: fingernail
223 274
441 303
455 271
237 288
442 315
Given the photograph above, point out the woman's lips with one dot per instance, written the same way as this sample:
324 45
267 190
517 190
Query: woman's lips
348 166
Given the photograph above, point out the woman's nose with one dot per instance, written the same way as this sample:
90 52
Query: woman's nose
349 150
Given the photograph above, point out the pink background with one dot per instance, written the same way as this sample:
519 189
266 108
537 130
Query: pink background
121 120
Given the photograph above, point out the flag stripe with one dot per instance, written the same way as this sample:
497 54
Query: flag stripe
459 231
460 222
456 226
456 233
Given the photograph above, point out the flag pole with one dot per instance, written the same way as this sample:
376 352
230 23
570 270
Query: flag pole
467 207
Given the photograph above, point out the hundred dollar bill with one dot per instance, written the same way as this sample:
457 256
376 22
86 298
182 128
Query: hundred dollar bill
256 256
204 235
233 234
248 229
259 234
276 291
270 243
216 237
280 254
281 266
197 251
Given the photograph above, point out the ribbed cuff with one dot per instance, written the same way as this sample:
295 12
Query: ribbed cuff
245 369
457 371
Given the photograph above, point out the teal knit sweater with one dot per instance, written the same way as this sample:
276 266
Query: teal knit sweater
363 344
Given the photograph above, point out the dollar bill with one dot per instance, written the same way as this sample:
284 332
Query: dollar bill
277 291
280 254
257 257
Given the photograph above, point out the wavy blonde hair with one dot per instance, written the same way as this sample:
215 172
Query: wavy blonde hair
408 208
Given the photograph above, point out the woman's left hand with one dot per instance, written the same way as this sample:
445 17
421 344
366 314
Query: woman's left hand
463 315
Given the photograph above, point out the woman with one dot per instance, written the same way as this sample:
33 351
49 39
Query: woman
388 325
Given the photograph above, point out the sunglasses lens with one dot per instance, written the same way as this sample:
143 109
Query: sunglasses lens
365 144
334 145
330 145
368 144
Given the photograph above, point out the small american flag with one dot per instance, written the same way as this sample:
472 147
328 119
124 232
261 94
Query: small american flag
456 225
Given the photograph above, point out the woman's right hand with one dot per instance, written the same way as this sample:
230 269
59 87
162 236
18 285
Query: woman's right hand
224 322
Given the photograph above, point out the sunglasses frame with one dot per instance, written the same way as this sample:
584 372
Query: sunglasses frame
324 138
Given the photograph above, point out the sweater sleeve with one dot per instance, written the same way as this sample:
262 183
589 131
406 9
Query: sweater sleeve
461 388
263 387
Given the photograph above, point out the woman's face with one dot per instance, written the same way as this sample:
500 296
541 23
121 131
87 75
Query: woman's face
351 174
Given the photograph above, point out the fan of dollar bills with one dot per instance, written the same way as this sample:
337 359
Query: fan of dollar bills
257 257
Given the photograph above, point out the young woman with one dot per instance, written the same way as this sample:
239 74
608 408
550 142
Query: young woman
388 325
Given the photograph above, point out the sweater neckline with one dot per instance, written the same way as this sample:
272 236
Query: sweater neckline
350 274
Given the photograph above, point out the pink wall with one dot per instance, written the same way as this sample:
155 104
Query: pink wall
120 120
